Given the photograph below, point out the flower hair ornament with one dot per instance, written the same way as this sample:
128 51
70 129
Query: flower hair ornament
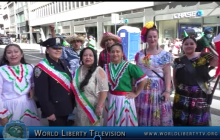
145 29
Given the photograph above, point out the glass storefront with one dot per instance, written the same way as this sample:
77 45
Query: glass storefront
214 22
172 29
167 30
187 24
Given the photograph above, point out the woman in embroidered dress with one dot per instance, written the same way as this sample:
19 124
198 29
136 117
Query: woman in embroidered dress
153 104
190 106
120 108
16 85
90 86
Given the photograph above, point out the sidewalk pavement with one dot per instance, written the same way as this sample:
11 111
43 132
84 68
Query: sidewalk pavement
35 47
26 46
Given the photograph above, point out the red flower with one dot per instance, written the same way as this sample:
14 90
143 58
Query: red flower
143 31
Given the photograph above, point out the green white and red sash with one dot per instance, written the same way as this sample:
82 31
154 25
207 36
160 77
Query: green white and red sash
114 77
59 76
19 75
82 100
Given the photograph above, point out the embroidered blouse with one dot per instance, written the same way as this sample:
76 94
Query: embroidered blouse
15 81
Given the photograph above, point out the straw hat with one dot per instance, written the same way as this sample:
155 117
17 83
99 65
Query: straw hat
73 37
107 36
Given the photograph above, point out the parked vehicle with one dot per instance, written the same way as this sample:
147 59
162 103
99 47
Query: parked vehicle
4 41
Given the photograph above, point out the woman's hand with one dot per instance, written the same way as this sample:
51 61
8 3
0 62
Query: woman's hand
52 117
166 95
131 95
31 94
4 121
98 111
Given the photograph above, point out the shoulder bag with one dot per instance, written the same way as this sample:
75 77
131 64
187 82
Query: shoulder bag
198 79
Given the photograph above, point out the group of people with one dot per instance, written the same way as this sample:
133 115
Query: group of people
72 84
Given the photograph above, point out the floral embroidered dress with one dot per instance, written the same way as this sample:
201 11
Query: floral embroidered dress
120 111
151 110
15 84
190 107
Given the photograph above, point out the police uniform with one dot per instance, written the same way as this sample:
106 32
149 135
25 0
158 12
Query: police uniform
52 96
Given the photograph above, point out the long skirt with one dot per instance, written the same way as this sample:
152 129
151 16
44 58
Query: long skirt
190 107
151 109
22 109
119 111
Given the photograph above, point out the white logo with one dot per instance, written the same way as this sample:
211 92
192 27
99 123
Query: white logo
57 40
185 15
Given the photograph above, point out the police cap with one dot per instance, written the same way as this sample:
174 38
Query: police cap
55 43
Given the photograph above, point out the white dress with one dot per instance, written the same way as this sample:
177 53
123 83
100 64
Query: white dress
15 84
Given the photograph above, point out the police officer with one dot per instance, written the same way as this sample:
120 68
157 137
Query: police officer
52 80
206 42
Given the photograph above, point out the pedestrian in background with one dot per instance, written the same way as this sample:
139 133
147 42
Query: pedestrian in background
108 39
92 42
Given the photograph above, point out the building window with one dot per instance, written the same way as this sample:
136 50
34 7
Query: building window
41 12
60 6
12 19
20 17
46 10
70 5
65 5
37 13
52 8
74 5
77 4
188 24
86 3
167 29
82 4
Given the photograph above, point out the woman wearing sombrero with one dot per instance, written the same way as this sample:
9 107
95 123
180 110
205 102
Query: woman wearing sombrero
153 105
108 39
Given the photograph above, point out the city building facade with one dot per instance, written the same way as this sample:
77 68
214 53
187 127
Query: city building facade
94 18
16 21
91 18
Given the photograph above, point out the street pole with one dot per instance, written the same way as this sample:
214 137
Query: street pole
115 26
115 29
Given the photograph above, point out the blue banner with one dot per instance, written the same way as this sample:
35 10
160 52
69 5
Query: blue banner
96 133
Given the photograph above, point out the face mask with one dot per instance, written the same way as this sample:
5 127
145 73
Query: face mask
209 35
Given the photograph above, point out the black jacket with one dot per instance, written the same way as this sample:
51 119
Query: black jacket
52 96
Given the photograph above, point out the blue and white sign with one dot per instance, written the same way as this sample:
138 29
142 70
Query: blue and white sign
198 13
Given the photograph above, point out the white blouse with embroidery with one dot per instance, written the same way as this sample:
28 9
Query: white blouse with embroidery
15 81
